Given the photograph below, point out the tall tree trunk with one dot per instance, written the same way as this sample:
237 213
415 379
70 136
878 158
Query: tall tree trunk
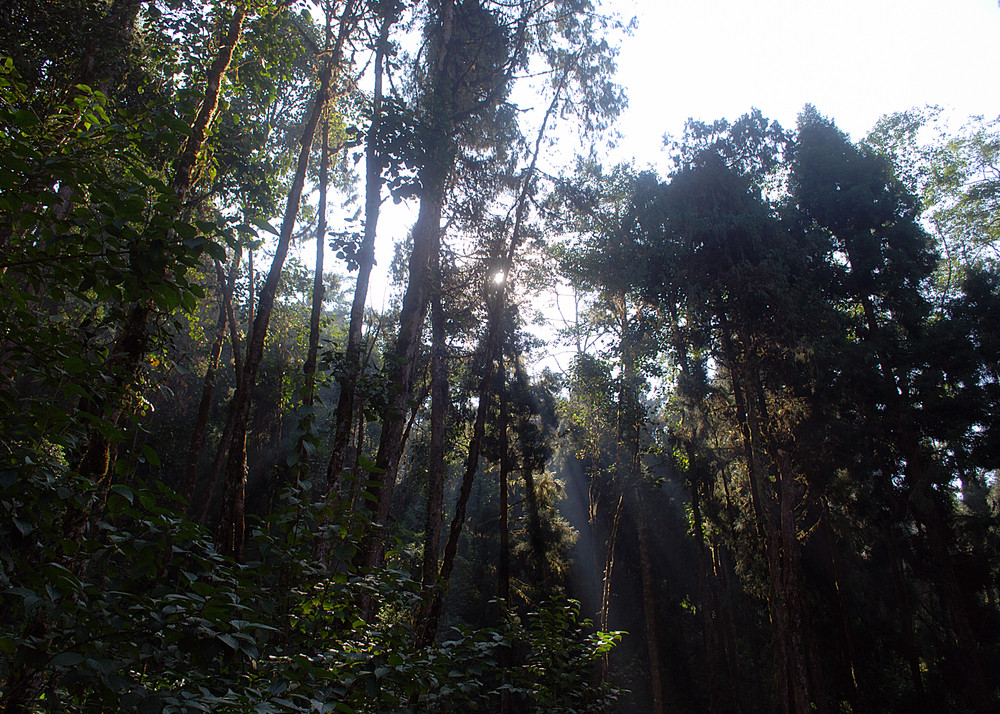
604 610
226 287
848 651
433 610
308 419
230 530
318 293
630 420
648 606
807 688
724 572
374 164
426 242
426 245
503 571
436 469
709 608
214 480
251 294
130 347
536 537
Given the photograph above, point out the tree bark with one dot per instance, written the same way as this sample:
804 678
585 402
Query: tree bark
433 610
214 481
503 571
436 470
230 531
648 606
118 25
709 602
426 243
226 286
366 261
130 347
308 419
318 293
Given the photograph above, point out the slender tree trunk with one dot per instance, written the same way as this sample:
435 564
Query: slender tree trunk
214 481
535 536
318 293
709 607
436 470
849 657
184 167
308 419
230 530
609 562
251 295
490 353
226 286
906 624
724 572
648 606
630 421
441 151
130 347
366 261
503 571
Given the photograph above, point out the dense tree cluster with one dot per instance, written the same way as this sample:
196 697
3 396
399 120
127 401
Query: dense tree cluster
766 482
825 414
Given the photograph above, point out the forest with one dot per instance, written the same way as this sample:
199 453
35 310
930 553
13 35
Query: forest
765 480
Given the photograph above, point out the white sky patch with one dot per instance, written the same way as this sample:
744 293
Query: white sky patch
854 59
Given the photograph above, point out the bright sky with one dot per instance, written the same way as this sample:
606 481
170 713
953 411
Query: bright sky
854 59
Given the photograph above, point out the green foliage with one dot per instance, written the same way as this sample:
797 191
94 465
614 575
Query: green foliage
954 171
110 598
824 400
83 240
144 615
559 654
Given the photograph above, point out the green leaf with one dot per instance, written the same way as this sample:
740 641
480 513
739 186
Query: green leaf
124 491
66 659
264 225
24 118
150 455
75 364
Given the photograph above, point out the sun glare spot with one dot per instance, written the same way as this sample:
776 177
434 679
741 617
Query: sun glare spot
498 277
